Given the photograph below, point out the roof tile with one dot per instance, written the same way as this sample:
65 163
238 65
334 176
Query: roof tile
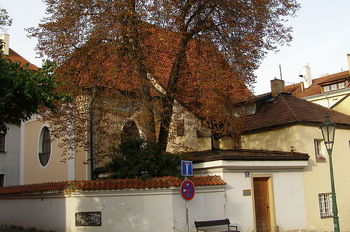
247 155
115 184
298 91
15 57
287 109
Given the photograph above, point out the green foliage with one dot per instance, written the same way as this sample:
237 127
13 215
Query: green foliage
138 158
23 91
5 19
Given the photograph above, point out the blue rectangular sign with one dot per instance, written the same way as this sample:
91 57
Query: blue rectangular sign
186 168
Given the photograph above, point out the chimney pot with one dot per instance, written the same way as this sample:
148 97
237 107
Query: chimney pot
306 75
277 87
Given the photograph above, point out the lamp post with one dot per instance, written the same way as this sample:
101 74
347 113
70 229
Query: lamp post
328 131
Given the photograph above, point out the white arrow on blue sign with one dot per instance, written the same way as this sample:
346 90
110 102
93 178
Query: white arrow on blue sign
186 168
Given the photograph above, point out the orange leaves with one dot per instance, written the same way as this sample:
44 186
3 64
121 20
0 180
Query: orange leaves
202 52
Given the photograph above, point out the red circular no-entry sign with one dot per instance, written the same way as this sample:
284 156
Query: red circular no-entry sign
187 190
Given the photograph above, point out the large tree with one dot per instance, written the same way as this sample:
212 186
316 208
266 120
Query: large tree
203 52
242 31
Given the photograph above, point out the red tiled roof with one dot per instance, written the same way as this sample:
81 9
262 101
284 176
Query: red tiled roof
203 64
315 88
287 109
116 184
15 57
247 154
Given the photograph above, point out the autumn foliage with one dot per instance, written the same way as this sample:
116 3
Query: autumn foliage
202 52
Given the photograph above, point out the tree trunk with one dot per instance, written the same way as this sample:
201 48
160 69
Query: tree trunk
168 100
92 132
137 57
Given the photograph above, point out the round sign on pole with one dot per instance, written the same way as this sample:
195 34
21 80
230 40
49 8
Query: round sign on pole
187 190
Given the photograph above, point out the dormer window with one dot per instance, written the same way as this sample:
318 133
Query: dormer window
334 86
341 85
326 88
250 109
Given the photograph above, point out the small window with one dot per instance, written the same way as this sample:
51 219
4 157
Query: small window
341 85
334 87
2 180
2 142
250 109
180 127
44 146
326 88
325 202
318 150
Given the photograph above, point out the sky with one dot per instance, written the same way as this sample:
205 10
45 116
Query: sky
321 39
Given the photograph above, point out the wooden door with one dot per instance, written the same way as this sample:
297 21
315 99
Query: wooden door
262 207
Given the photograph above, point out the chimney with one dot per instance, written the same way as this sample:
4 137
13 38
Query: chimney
5 45
306 75
277 87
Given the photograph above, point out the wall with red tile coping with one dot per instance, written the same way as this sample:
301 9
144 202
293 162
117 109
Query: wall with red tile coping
125 205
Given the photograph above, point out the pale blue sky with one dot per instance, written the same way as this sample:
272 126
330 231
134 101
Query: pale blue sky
321 39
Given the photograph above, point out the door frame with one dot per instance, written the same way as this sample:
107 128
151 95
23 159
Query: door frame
271 199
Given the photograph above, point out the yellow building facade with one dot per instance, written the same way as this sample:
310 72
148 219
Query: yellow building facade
316 176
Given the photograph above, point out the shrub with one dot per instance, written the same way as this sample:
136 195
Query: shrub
138 158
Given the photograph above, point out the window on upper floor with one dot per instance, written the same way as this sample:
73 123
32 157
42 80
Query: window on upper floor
325 203
2 142
326 88
318 150
44 146
341 85
2 180
250 109
332 87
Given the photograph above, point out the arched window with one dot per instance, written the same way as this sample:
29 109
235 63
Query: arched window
44 146
129 131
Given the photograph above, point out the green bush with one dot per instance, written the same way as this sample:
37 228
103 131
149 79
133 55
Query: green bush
138 158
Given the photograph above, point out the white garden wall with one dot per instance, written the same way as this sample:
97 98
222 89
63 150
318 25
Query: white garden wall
44 212
153 210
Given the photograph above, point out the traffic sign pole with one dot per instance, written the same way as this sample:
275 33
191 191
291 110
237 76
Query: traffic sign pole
188 191
187 187
187 217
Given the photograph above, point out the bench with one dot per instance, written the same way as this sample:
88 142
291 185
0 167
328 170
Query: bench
222 222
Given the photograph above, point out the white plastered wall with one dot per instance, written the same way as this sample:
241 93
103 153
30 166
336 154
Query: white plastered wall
289 212
153 210
10 159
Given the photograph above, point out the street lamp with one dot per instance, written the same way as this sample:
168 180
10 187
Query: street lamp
328 131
